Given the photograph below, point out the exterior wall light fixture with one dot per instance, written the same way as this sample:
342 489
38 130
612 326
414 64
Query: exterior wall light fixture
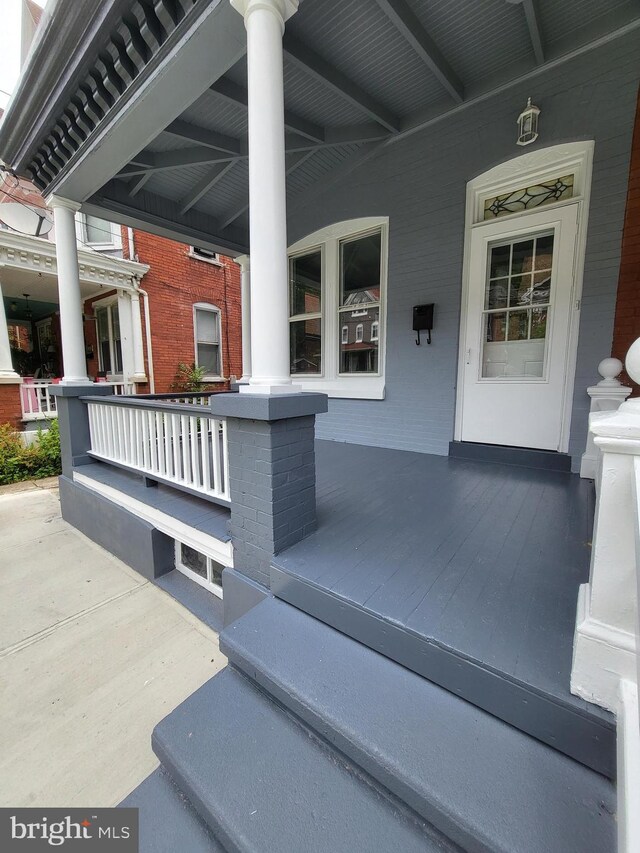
528 124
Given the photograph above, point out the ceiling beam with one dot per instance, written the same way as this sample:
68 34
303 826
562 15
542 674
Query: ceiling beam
532 14
202 187
137 185
295 161
409 26
238 95
321 70
161 161
201 136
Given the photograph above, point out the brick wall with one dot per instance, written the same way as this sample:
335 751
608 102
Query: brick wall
627 320
10 409
175 282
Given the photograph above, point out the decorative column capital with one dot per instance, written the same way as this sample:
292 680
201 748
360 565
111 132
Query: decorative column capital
244 262
283 9
55 201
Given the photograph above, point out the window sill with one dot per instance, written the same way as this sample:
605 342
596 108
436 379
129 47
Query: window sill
342 387
213 379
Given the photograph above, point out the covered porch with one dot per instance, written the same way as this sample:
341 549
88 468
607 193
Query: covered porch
367 159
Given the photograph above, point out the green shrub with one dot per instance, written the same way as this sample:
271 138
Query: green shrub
189 378
40 459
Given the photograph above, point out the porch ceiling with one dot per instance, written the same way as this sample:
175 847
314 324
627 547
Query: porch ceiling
359 74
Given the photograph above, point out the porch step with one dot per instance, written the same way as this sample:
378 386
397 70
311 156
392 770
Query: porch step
263 783
480 782
584 732
167 821
523 456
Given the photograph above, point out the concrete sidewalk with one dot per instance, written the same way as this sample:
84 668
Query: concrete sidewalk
92 656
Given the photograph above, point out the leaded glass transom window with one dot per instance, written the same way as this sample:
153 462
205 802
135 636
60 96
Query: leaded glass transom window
517 306
526 198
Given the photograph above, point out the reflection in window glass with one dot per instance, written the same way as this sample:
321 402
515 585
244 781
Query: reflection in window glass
305 338
519 278
305 284
97 230
193 560
360 303
359 354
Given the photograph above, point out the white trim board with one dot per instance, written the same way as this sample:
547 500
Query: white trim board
525 170
221 552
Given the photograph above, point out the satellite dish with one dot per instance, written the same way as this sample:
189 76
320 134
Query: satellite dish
33 221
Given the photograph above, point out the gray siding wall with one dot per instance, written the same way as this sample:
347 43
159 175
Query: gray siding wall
420 183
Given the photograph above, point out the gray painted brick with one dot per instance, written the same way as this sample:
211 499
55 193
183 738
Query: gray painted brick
420 183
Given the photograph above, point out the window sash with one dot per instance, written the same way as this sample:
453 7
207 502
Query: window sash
208 341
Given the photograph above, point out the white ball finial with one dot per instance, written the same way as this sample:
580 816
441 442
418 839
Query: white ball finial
609 369
632 361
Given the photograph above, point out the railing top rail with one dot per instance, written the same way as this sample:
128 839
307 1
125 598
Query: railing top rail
155 405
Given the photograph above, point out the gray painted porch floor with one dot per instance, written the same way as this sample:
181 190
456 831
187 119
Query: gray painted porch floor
481 558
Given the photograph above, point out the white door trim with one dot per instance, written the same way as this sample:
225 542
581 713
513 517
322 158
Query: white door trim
525 170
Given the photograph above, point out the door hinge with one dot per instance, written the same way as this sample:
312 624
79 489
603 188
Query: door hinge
577 304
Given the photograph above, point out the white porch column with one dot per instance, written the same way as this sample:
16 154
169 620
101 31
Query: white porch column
606 396
604 653
69 296
7 373
139 374
244 263
264 22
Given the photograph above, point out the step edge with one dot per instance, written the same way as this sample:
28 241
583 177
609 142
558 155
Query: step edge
469 836
220 829
607 728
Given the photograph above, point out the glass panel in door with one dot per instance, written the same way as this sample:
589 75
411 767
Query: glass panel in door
517 305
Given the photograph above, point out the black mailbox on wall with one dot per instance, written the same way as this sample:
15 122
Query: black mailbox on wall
423 321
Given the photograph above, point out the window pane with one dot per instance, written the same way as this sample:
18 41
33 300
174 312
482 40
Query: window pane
544 252
209 358
207 326
360 353
496 295
522 260
306 346
541 287
216 572
360 270
193 560
496 327
520 290
305 283
518 325
115 321
500 261
97 230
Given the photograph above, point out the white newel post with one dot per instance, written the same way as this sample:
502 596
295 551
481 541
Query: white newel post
7 373
604 654
136 329
69 296
607 396
264 21
244 263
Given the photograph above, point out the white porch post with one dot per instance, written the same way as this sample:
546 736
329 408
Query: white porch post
136 329
604 653
69 296
606 396
7 373
244 263
264 22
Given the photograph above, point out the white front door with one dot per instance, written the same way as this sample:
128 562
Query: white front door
518 315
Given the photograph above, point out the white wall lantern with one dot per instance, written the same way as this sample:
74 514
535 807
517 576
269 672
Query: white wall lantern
528 124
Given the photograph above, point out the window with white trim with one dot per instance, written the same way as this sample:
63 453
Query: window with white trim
99 233
207 335
207 255
199 567
337 289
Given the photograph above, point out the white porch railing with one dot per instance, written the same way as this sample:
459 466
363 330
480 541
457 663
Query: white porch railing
39 405
181 445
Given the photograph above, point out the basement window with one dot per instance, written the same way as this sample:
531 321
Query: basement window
207 255
200 568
